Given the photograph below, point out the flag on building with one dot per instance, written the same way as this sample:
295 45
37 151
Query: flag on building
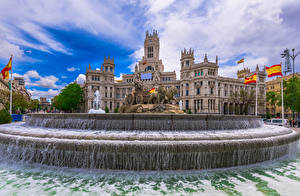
274 70
152 90
251 79
240 61
6 69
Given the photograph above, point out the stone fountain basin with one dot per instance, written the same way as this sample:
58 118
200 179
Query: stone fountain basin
145 150
144 122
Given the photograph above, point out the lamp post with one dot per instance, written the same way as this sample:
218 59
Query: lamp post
286 54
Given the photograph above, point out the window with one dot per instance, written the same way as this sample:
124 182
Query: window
95 78
150 52
106 69
110 105
186 104
111 69
110 91
187 63
195 74
178 92
105 91
198 91
211 91
199 73
225 93
149 68
187 92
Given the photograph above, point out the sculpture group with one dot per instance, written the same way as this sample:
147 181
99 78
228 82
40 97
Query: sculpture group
140 100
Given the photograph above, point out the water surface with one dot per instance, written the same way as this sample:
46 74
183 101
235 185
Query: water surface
278 178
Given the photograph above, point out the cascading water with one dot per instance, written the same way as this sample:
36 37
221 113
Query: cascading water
144 141
96 109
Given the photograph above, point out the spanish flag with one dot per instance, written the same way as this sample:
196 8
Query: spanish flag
5 70
152 90
274 70
251 79
240 61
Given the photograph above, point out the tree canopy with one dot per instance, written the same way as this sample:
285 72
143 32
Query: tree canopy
273 98
69 99
244 97
20 103
288 95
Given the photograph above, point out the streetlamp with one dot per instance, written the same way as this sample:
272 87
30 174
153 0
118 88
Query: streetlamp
287 56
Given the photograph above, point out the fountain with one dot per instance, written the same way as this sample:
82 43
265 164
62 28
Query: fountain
96 109
145 141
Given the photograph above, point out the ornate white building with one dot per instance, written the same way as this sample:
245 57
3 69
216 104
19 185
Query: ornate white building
200 87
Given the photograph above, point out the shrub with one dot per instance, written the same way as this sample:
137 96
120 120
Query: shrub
116 110
106 109
5 117
189 111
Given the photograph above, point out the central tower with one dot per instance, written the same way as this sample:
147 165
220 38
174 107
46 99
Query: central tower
151 46
151 61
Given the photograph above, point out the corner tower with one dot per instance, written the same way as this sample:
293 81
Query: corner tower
187 58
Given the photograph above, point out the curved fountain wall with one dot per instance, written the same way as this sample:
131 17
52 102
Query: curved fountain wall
145 142
143 121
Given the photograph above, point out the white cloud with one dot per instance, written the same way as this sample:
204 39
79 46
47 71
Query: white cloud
231 71
72 69
227 28
8 48
35 18
36 94
33 78
80 79
64 77
158 5
120 77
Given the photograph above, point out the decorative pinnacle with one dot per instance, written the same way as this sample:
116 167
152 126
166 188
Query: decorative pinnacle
205 58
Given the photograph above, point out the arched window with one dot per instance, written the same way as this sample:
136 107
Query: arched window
149 68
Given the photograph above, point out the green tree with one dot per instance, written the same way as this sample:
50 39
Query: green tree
244 98
34 104
20 103
288 95
273 99
5 117
69 99
4 99
106 109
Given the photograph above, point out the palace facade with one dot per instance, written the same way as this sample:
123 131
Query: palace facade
200 88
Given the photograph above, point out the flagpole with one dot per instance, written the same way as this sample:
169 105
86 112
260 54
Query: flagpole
282 106
256 96
10 100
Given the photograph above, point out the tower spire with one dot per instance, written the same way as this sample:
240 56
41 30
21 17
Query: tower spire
205 58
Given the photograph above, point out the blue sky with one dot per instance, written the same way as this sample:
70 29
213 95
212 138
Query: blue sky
53 41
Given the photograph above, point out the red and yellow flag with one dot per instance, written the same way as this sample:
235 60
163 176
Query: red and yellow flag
251 79
240 61
152 90
5 70
274 70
